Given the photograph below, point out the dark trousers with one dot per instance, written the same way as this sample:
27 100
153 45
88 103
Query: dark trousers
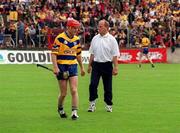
103 70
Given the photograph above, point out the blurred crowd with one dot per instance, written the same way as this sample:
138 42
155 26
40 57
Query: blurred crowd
35 23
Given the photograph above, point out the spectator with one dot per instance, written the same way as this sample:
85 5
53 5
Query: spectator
32 35
1 38
21 33
1 20
120 14
122 39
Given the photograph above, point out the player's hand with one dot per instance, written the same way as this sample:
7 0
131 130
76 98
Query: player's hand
82 72
56 71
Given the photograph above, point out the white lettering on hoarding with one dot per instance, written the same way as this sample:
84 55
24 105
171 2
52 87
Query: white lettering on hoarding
85 57
156 55
3 56
125 57
152 55
30 57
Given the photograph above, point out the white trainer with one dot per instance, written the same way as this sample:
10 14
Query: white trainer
92 106
108 108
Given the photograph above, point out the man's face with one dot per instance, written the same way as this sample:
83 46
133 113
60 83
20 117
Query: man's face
101 28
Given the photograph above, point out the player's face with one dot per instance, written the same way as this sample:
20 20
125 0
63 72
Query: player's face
73 31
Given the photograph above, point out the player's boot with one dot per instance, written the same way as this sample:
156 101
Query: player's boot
74 115
62 114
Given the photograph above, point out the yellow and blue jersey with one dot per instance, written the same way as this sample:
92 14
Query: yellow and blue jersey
145 42
66 49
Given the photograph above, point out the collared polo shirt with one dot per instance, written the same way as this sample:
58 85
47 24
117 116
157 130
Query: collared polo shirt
104 48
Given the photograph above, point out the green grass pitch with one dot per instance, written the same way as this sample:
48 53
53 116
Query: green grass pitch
146 100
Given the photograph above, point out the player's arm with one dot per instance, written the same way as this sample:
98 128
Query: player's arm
54 52
54 62
141 43
79 60
149 42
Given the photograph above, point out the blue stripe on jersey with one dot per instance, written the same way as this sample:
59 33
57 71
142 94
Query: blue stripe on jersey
78 41
69 44
61 40
66 57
